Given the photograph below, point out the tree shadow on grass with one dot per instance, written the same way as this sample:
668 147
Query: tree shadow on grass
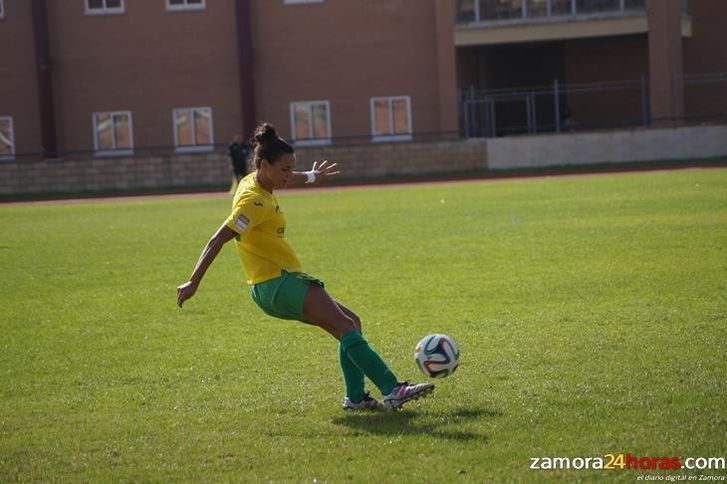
408 422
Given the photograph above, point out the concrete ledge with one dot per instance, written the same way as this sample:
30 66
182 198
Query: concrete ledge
657 144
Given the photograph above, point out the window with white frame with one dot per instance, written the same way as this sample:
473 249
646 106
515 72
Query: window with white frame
185 4
113 133
193 129
310 122
104 7
391 118
7 138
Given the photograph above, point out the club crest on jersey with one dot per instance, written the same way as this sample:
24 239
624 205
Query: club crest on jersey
241 222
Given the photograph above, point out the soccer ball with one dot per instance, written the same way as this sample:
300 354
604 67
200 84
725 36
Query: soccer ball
437 355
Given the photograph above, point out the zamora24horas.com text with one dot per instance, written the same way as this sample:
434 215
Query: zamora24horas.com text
621 461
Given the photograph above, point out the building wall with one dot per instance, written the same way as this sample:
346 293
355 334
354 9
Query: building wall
706 52
606 60
150 61
665 61
401 159
18 82
346 52
147 61
446 66
212 170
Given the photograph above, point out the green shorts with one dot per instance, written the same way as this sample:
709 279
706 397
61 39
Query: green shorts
283 296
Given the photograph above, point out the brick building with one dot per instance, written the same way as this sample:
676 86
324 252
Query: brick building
98 78
130 75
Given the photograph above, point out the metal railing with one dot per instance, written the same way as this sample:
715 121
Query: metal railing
483 11
586 106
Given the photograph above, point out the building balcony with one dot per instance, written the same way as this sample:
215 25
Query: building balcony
484 22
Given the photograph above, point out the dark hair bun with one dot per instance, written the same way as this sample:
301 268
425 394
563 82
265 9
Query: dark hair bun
265 133
268 145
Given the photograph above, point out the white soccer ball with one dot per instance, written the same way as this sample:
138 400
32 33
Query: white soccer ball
437 355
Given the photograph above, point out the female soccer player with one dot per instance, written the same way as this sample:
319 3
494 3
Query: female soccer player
274 272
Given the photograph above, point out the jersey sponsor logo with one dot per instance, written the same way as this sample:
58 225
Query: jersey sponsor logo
241 222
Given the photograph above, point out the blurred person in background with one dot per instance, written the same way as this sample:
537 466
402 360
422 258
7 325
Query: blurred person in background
238 151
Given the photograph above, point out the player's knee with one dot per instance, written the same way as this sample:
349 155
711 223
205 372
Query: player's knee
356 321
337 324
346 325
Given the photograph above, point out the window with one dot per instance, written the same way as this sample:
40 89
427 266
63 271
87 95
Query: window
193 129
466 11
391 118
597 6
113 134
311 122
104 7
185 4
7 138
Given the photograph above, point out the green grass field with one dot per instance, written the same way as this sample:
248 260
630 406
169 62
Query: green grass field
590 311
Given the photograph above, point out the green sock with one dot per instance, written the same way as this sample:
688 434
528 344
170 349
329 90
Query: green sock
353 377
368 361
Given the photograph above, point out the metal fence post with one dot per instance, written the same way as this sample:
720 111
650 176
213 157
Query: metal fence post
529 113
491 117
556 100
467 119
644 101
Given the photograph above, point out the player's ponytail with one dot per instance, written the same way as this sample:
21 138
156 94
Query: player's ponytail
268 145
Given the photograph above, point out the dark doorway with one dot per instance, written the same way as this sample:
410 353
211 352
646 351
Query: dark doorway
508 75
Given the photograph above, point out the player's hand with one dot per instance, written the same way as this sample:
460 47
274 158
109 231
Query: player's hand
324 170
185 291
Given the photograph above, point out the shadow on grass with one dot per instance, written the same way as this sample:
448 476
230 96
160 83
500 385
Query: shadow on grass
408 422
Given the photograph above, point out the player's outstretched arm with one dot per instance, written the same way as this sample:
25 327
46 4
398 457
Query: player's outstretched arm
223 235
319 172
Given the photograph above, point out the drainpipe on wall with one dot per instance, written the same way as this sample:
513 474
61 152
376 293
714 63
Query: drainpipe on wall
45 79
665 62
244 54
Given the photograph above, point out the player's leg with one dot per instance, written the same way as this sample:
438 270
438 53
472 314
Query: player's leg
353 316
321 310
402 393
357 398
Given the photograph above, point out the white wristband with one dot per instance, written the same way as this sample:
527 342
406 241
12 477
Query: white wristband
311 176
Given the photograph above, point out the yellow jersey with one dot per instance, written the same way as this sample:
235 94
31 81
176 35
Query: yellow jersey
260 224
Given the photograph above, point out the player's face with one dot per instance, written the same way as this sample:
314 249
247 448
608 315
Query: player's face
279 173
